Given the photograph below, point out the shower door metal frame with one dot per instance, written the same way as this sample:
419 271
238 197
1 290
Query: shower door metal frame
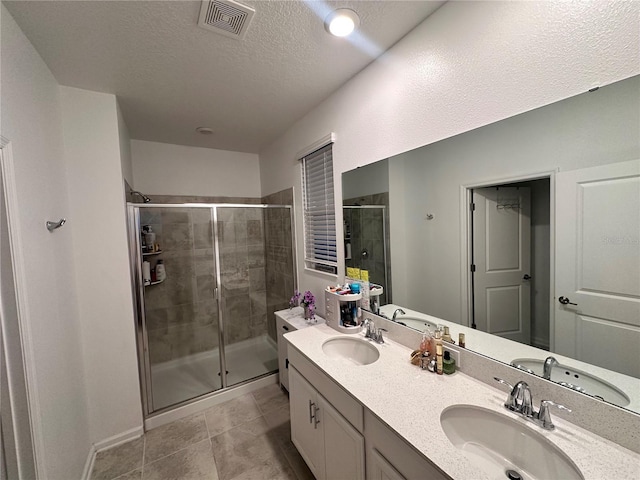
135 257
384 240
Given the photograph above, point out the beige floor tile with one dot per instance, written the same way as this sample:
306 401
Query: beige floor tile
193 463
135 475
244 448
268 470
270 398
165 440
297 463
228 415
279 424
118 460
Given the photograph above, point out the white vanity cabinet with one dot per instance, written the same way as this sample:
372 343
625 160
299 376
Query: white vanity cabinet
288 320
389 457
331 446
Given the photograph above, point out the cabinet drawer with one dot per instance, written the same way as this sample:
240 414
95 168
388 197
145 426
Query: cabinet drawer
348 406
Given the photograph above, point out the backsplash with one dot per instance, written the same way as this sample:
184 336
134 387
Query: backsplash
604 419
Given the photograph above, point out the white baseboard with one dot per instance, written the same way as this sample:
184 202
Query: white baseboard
88 466
107 443
211 400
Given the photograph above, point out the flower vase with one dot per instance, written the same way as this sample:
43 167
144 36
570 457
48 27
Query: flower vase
307 313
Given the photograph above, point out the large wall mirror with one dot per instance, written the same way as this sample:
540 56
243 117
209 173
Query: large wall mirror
523 234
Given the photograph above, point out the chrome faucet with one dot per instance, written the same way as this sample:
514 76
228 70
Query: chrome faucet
395 314
373 333
549 363
520 401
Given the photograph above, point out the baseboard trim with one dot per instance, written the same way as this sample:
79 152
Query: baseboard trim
119 439
108 443
88 466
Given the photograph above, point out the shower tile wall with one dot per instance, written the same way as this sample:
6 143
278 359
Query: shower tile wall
181 313
280 279
367 233
242 262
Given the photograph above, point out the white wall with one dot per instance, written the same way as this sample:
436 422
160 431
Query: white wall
125 149
584 131
97 218
469 64
31 121
166 169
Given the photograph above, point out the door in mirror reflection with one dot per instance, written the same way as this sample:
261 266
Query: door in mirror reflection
502 261
597 259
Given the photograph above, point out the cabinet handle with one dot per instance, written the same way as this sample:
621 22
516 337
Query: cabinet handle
315 417
284 327
286 363
311 412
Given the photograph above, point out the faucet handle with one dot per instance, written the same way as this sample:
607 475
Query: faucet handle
544 417
499 380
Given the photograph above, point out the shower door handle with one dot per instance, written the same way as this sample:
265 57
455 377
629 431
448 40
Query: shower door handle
215 294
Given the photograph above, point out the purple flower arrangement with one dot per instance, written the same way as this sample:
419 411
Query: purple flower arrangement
295 300
309 304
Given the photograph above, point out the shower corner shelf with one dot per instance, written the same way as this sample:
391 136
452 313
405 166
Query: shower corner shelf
154 283
148 254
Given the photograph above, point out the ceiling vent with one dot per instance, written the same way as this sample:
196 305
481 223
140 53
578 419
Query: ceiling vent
225 17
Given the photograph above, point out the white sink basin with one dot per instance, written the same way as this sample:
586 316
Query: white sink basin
590 384
498 444
354 350
416 323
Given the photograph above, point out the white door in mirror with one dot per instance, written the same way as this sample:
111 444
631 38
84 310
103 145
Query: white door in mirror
598 266
502 258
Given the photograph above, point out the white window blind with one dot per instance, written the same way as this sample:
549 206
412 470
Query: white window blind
319 211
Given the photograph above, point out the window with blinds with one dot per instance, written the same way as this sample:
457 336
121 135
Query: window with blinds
319 211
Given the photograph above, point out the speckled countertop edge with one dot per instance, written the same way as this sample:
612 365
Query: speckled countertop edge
410 401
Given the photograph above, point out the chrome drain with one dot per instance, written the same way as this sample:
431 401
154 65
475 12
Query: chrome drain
513 475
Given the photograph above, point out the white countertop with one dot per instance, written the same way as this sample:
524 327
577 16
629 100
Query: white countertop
506 351
410 401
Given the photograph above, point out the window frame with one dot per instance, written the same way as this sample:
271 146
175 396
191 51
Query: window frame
327 247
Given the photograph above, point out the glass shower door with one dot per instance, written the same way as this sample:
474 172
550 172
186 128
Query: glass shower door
180 311
256 279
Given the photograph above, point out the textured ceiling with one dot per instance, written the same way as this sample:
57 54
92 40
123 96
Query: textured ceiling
171 76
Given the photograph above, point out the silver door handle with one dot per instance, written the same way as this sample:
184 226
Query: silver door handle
565 301
311 411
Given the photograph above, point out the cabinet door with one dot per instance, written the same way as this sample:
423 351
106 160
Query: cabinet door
306 425
283 362
381 469
343 445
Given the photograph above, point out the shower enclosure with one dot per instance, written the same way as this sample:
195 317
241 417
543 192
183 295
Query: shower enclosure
366 241
208 322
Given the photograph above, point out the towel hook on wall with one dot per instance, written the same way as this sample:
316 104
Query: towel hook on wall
51 226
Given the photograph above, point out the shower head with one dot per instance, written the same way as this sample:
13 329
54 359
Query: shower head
145 199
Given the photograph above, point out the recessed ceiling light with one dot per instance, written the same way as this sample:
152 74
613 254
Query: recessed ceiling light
204 130
341 22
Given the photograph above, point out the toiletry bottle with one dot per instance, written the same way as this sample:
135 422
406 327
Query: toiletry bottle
448 364
439 370
446 336
432 344
149 238
146 272
424 344
160 271
461 340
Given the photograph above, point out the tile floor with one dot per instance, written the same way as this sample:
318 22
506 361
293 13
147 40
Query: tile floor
247 438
